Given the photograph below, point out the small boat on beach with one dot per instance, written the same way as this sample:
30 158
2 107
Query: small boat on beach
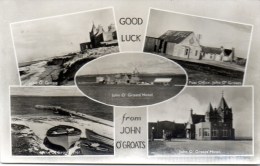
94 137
88 147
63 135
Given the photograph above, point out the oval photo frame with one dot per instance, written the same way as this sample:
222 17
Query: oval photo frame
131 79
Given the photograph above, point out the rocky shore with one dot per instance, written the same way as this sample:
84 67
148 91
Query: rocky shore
60 70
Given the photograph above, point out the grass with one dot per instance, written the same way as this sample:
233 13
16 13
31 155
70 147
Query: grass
196 147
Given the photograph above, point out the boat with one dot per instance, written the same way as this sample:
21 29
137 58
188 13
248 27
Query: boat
88 147
95 137
63 135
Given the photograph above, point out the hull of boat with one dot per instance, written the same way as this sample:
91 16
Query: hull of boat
65 141
64 136
92 136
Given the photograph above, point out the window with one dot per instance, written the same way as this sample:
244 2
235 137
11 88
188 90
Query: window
225 133
214 133
186 51
206 132
196 53
200 132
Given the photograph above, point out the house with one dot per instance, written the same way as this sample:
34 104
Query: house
99 37
217 54
122 78
216 124
163 81
185 44
210 53
182 44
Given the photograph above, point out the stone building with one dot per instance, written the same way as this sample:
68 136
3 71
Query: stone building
100 38
215 124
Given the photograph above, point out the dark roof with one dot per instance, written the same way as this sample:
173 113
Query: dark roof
227 52
197 118
175 36
212 50
222 103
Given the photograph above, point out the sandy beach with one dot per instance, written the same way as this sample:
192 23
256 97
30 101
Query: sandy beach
32 131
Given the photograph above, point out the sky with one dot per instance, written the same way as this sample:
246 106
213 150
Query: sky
45 91
213 33
56 36
198 98
127 62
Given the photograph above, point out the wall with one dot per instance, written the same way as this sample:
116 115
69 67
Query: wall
107 36
170 48
150 44
202 125
209 56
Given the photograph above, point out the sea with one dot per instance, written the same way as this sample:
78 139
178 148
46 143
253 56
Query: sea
25 105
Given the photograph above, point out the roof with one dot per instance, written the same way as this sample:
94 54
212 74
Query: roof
162 80
228 52
212 50
175 36
197 118
222 103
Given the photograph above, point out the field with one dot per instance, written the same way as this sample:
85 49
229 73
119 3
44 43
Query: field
195 147
210 73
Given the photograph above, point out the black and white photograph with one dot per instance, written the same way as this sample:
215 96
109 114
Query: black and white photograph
50 50
59 121
131 79
203 121
213 52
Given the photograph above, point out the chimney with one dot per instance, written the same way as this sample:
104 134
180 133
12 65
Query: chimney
191 111
199 37
233 54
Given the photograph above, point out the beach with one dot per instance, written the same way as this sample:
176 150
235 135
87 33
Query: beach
31 130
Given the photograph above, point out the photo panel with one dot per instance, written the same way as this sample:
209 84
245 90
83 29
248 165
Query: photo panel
213 52
131 79
203 121
50 50
59 121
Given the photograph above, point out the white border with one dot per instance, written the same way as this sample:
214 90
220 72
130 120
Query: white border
191 15
211 156
54 156
132 52
56 16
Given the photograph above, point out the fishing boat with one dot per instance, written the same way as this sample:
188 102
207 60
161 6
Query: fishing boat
95 137
63 135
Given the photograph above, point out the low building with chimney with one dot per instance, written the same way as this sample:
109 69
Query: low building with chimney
186 45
